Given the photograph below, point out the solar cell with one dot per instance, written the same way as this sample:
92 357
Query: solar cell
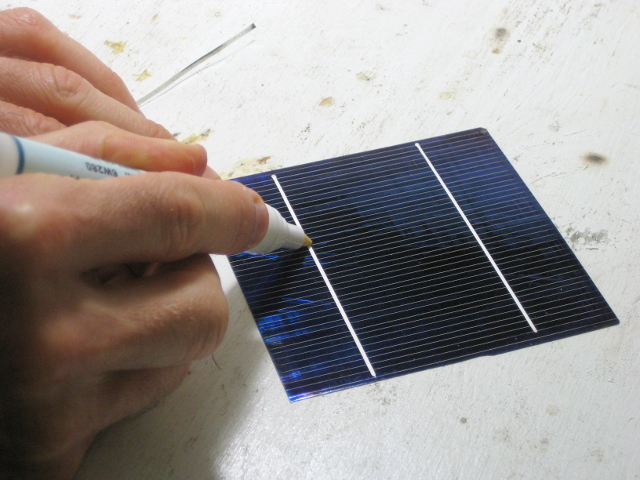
424 254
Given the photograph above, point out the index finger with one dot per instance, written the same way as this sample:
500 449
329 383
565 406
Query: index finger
151 217
27 34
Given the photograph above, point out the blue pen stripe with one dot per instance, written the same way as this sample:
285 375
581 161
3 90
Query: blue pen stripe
20 156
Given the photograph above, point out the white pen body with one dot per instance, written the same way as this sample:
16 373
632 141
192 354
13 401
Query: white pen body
280 234
19 155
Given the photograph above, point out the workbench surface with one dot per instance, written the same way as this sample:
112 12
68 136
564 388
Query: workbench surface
556 83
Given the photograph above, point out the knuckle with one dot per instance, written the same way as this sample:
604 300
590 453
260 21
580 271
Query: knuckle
216 316
25 19
64 85
196 321
66 82
19 228
26 122
30 230
185 217
36 123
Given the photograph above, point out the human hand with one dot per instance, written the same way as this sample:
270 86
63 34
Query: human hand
106 289
49 82
84 342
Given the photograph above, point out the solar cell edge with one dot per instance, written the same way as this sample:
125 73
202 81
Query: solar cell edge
479 131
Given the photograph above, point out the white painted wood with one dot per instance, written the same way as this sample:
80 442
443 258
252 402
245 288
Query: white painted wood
554 82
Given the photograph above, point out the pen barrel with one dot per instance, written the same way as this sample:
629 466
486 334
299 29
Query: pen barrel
19 155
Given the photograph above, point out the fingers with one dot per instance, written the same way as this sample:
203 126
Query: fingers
25 122
127 392
173 317
211 174
62 94
102 140
27 34
152 217
61 466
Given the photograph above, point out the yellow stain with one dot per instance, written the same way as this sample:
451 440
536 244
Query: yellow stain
196 138
142 76
327 102
116 47
249 167
365 76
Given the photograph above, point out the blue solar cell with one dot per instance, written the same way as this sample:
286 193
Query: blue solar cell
414 281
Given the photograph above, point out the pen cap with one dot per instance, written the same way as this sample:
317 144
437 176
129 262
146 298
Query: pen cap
280 234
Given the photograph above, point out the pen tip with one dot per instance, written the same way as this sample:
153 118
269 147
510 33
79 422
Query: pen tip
307 241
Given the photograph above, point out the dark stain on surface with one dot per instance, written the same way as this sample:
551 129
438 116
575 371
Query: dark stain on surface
593 158
500 37
463 420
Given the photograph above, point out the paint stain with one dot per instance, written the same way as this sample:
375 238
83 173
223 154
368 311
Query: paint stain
445 95
502 435
197 137
598 455
554 127
327 102
365 76
142 76
74 17
249 167
553 410
116 47
463 420
499 39
593 158
155 17
544 444
586 238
